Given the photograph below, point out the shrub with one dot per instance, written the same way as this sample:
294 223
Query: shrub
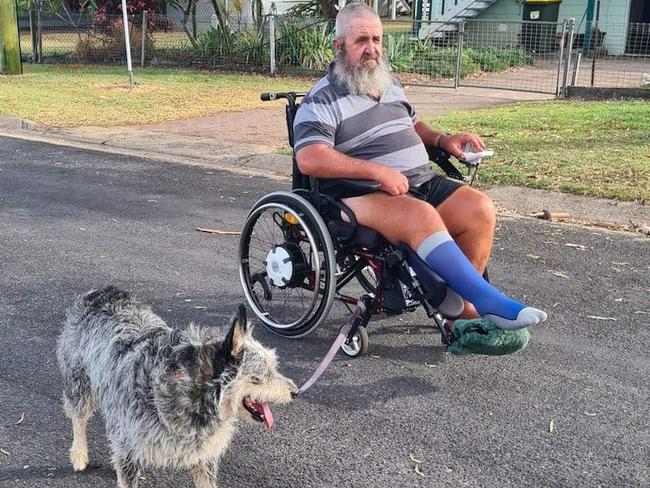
398 52
441 62
309 47
487 59
95 46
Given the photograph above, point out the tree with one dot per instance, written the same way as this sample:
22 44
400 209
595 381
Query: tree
10 61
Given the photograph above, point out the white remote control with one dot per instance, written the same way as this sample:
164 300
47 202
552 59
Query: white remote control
471 157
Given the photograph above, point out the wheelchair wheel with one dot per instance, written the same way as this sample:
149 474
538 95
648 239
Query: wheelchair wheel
357 344
287 265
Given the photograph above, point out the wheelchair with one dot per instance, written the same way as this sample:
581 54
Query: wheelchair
297 256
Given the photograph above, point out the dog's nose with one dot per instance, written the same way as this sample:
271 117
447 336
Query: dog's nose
294 393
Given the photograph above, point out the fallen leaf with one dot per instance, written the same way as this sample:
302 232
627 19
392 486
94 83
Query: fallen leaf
430 365
558 273
576 246
532 256
414 459
219 232
20 420
551 426
596 317
590 414
417 470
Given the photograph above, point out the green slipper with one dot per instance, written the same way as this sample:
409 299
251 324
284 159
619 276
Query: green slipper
480 336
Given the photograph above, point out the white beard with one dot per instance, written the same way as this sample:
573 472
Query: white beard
363 81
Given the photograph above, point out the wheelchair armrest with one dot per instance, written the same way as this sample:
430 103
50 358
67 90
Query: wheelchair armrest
441 158
359 184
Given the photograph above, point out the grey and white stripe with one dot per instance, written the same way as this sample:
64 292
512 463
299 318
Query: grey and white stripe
361 127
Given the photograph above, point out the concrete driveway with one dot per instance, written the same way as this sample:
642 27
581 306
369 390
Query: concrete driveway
75 219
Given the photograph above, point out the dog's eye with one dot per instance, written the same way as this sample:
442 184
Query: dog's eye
177 375
256 380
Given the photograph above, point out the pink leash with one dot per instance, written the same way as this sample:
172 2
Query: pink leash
343 334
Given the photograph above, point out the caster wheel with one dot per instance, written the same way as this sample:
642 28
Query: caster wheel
357 344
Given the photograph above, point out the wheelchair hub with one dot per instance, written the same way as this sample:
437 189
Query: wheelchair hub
286 265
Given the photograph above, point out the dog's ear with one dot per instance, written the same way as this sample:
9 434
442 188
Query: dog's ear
175 337
239 326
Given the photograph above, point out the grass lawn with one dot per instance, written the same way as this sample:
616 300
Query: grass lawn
586 148
72 96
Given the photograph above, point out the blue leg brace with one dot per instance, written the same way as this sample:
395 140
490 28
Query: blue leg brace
443 255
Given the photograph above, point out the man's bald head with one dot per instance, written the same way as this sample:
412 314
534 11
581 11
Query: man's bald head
350 12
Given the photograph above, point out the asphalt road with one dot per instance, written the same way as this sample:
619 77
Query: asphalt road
72 220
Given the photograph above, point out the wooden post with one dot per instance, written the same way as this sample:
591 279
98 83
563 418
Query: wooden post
9 39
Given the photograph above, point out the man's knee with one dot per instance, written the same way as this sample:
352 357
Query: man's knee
484 211
468 209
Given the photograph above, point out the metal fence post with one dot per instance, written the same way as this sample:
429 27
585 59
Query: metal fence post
144 36
272 38
33 34
127 42
39 37
559 63
567 64
461 35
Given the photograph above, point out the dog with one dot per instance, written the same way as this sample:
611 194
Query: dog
169 398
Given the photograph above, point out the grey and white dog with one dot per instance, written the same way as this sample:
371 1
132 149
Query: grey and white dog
170 398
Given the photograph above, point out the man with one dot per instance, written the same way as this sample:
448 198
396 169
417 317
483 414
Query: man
356 123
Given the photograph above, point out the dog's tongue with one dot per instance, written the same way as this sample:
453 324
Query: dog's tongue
268 416
266 411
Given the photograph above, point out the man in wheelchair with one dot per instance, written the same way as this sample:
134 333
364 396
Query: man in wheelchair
356 123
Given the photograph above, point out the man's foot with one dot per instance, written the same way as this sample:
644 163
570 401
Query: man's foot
527 316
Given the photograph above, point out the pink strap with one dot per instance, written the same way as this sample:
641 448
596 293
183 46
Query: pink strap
343 333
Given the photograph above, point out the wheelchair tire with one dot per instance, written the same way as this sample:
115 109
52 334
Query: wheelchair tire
287 265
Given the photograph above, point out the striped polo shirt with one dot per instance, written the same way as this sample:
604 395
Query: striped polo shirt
364 128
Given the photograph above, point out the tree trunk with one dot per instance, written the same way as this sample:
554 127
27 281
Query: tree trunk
329 8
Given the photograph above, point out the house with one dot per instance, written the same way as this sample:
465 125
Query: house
623 25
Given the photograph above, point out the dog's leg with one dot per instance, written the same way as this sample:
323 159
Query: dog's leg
205 474
128 473
79 449
79 406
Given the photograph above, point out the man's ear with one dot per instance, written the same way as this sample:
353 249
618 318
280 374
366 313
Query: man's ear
336 44
234 342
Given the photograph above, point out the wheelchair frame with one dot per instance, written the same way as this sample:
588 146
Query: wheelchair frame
323 258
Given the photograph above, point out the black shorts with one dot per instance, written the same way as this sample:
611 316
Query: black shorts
435 191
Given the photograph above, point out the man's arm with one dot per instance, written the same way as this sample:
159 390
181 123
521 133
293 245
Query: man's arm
454 145
322 161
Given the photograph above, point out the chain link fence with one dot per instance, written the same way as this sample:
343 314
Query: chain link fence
530 56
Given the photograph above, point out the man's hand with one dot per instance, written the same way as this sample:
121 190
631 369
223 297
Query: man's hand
455 144
392 182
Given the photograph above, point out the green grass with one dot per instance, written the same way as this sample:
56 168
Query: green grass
72 96
587 148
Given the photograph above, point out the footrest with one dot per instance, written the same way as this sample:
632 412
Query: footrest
480 336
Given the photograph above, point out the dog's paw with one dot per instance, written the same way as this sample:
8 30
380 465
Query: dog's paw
79 459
